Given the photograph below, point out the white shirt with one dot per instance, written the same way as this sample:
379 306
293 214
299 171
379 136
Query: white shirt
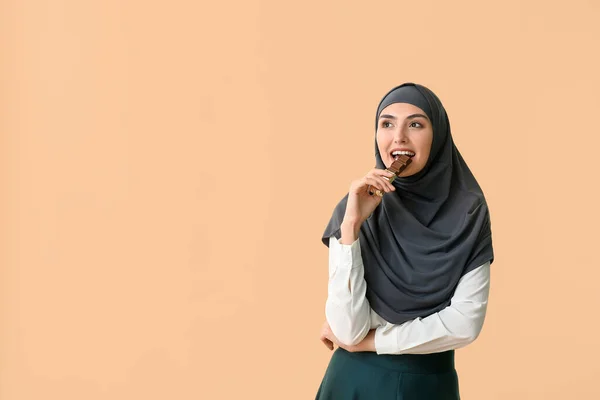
350 316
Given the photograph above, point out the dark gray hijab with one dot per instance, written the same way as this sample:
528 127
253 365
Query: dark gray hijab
427 234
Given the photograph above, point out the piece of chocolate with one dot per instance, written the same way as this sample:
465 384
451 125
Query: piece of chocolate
396 168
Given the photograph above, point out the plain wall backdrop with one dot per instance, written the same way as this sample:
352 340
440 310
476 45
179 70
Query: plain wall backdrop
168 169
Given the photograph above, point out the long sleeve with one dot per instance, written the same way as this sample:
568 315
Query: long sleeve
347 309
453 327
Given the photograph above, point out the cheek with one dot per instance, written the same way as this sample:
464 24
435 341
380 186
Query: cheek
381 142
424 157
426 146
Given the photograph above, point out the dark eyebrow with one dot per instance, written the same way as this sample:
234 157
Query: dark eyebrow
417 116
389 116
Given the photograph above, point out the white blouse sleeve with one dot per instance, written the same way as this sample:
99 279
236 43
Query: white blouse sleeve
453 327
347 309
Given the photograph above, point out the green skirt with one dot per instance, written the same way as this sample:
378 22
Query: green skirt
369 376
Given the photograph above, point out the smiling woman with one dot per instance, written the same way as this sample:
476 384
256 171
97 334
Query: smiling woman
409 272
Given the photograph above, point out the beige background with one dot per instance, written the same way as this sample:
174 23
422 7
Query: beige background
168 169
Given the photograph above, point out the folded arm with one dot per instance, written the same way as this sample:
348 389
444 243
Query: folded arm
455 326
350 316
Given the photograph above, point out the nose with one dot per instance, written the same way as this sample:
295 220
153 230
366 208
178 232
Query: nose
400 136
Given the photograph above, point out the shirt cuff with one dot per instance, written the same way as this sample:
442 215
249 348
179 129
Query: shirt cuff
349 255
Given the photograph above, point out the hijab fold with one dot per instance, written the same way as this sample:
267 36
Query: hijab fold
426 235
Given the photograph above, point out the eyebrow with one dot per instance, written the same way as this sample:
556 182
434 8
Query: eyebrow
409 117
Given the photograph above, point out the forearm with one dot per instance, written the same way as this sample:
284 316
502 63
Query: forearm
439 332
350 229
453 327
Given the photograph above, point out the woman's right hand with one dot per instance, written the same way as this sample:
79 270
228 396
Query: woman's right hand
361 203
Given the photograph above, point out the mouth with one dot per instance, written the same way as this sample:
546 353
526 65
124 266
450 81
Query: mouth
397 153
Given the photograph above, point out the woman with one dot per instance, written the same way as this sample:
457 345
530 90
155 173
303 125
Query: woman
409 271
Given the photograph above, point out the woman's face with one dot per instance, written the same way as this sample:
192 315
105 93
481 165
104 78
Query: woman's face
404 127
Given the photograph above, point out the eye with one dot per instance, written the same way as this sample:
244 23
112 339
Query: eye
386 124
416 124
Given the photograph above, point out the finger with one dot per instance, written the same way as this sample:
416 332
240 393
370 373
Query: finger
377 182
384 176
382 172
374 181
370 187
326 334
374 191
387 183
328 343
